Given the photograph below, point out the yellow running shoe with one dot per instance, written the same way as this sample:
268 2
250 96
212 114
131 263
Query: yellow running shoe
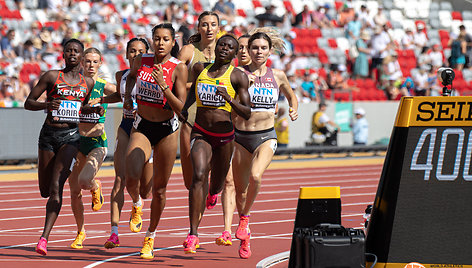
135 221
147 252
79 240
97 197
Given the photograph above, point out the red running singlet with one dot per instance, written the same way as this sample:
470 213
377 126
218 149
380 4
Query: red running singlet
147 90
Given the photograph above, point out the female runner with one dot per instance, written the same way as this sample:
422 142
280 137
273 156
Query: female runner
160 90
92 147
228 196
256 141
67 90
201 48
214 88
134 47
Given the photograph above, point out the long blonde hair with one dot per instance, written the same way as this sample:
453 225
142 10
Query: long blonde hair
271 35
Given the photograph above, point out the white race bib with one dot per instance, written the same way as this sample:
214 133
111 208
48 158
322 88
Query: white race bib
207 95
68 112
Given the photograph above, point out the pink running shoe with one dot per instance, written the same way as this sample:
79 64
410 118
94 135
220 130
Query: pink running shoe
245 248
191 244
224 239
42 246
243 231
211 200
113 241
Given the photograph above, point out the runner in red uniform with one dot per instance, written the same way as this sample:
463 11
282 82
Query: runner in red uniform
67 92
160 90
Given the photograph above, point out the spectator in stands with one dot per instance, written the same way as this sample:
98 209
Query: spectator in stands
114 43
380 43
424 57
320 18
269 18
353 28
304 19
8 50
365 18
421 81
336 79
219 7
406 87
391 70
46 38
321 127
420 36
458 51
345 16
360 128
288 42
408 40
434 88
83 33
309 91
67 36
380 18
28 52
437 57
361 65
281 128
170 12
468 40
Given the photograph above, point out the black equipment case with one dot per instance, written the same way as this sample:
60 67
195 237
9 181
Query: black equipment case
328 246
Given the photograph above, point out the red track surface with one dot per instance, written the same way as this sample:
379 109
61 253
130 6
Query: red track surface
22 213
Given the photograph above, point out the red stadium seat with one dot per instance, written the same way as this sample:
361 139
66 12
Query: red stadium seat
315 33
456 15
256 3
322 57
121 60
241 13
288 6
332 43
197 6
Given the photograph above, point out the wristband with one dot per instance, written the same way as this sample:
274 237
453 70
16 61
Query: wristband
165 88
230 100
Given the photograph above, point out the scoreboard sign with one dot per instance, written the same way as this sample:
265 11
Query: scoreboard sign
423 207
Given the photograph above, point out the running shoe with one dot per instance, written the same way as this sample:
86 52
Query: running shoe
224 239
113 241
79 240
243 231
147 252
135 221
42 246
245 248
97 197
191 244
211 200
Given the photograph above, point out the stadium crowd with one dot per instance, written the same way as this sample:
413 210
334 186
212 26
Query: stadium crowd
343 50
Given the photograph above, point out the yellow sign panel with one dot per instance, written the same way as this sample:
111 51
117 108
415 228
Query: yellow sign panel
434 111
320 192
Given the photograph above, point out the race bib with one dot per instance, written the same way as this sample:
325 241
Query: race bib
68 112
147 89
207 95
263 98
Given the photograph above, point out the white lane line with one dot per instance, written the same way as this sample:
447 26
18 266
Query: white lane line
273 260
313 176
265 184
142 233
172 247
64 206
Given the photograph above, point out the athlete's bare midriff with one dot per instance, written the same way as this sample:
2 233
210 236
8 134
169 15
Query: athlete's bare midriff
257 121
